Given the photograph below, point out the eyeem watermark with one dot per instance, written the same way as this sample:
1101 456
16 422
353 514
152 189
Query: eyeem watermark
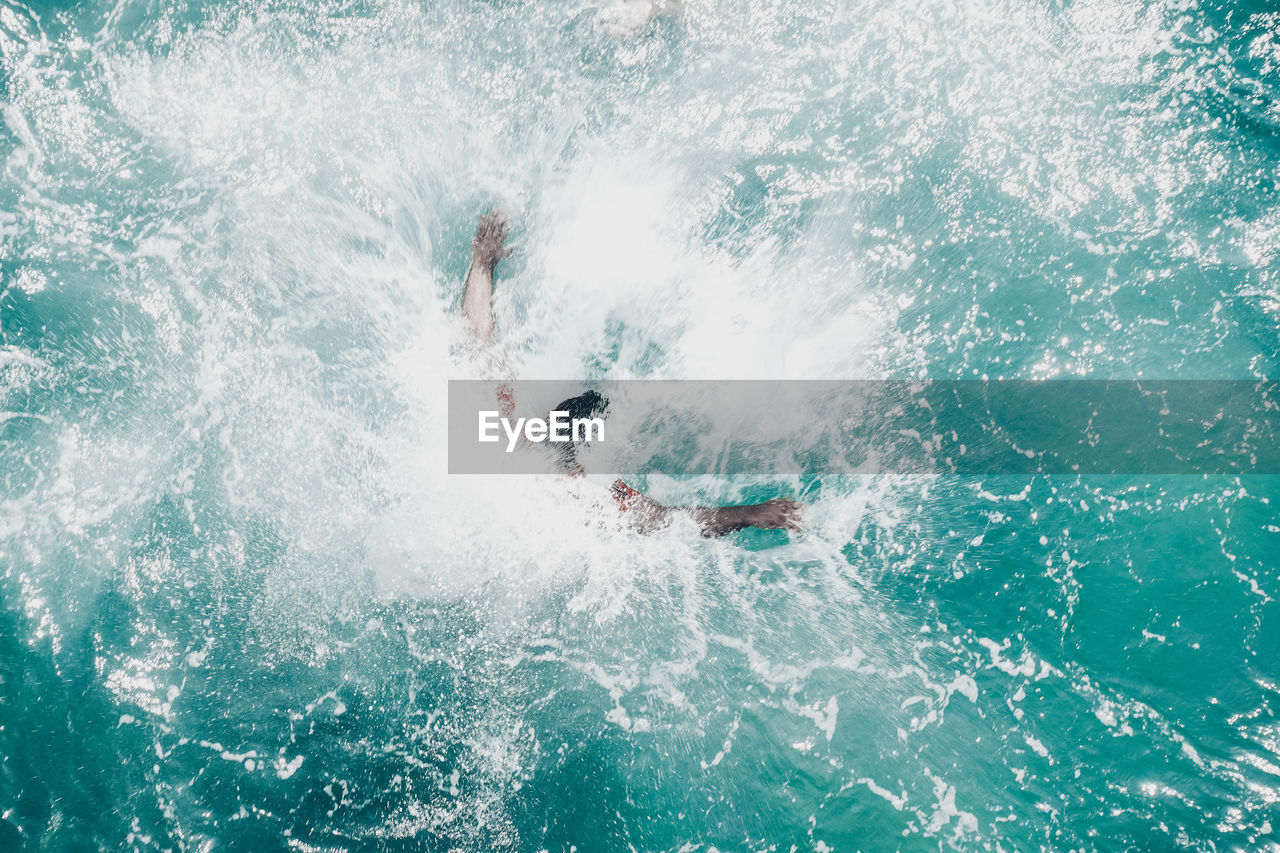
813 427
557 428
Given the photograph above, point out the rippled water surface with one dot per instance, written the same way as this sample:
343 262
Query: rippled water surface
244 608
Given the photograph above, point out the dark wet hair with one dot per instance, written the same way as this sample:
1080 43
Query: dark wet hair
589 404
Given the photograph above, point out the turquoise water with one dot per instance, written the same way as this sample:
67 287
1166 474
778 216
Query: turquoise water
245 609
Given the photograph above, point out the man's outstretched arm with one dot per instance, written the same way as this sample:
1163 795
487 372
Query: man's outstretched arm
487 249
647 515
777 514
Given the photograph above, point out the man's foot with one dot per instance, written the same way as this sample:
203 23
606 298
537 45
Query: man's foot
489 246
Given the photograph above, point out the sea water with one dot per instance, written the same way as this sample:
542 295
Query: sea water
244 608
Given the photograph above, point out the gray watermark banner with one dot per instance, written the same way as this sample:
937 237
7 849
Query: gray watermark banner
815 427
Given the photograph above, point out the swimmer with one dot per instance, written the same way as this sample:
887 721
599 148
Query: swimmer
643 512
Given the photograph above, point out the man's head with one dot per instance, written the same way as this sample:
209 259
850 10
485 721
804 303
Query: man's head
587 405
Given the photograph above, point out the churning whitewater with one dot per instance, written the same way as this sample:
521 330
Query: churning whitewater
246 608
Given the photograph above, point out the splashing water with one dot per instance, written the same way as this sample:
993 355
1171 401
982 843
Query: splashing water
245 608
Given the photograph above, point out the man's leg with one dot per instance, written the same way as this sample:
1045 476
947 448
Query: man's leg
487 249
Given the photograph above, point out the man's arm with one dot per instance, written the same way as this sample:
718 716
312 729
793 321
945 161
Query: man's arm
487 249
647 515
777 514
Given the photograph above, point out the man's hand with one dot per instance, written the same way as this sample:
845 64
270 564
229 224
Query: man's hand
489 246
777 514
